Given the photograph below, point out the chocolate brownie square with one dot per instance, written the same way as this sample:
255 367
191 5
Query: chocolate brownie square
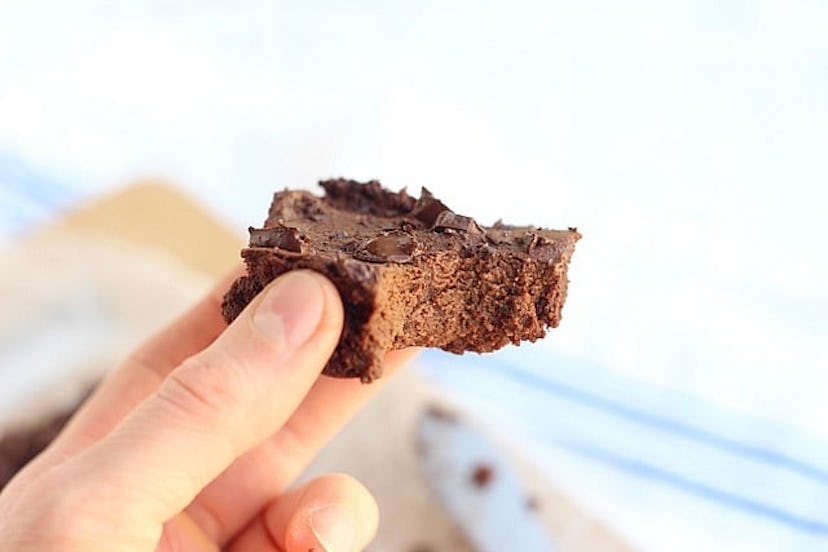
411 272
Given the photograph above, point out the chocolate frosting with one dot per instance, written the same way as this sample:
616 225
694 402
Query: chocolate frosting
411 272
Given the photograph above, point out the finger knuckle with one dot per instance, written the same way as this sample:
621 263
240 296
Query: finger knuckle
198 387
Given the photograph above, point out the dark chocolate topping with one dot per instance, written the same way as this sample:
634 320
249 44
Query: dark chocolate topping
428 208
410 272
369 198
283 237
448 220
394 248
390 230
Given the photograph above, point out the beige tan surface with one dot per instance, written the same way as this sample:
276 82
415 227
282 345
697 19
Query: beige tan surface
378 447
103 277
152 213
157 245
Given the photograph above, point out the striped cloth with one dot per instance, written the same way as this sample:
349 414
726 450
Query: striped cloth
648 460
29 196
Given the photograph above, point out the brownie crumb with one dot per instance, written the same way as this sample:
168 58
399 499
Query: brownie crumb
482 475
19 447
441 413
532 503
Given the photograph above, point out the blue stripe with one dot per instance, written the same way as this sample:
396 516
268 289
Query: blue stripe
696 488
13 218
17 213
641 417
26 182
31 191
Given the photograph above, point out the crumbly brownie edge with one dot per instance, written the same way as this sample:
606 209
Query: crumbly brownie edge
495 286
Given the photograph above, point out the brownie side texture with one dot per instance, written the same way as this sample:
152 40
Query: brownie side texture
410 272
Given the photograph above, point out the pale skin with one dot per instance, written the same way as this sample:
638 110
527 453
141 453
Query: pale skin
194 441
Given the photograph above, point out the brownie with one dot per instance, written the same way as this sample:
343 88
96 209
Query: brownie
410 271
20 446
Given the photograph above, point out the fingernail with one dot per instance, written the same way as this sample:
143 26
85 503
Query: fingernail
334 528
291 309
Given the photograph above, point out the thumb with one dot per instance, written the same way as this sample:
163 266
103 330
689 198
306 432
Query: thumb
221 402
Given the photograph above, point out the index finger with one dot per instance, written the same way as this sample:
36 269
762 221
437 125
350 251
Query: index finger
217 404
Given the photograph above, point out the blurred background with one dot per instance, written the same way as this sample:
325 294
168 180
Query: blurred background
683 402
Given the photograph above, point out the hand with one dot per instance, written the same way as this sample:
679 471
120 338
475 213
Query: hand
191 444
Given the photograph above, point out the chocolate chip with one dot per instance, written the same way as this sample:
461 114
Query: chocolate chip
428 208
390 248
283 237
448 220
482 475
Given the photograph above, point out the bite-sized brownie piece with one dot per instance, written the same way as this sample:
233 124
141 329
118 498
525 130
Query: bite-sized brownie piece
411 272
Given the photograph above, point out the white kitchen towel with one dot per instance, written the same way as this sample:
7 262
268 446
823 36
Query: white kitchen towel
660 466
